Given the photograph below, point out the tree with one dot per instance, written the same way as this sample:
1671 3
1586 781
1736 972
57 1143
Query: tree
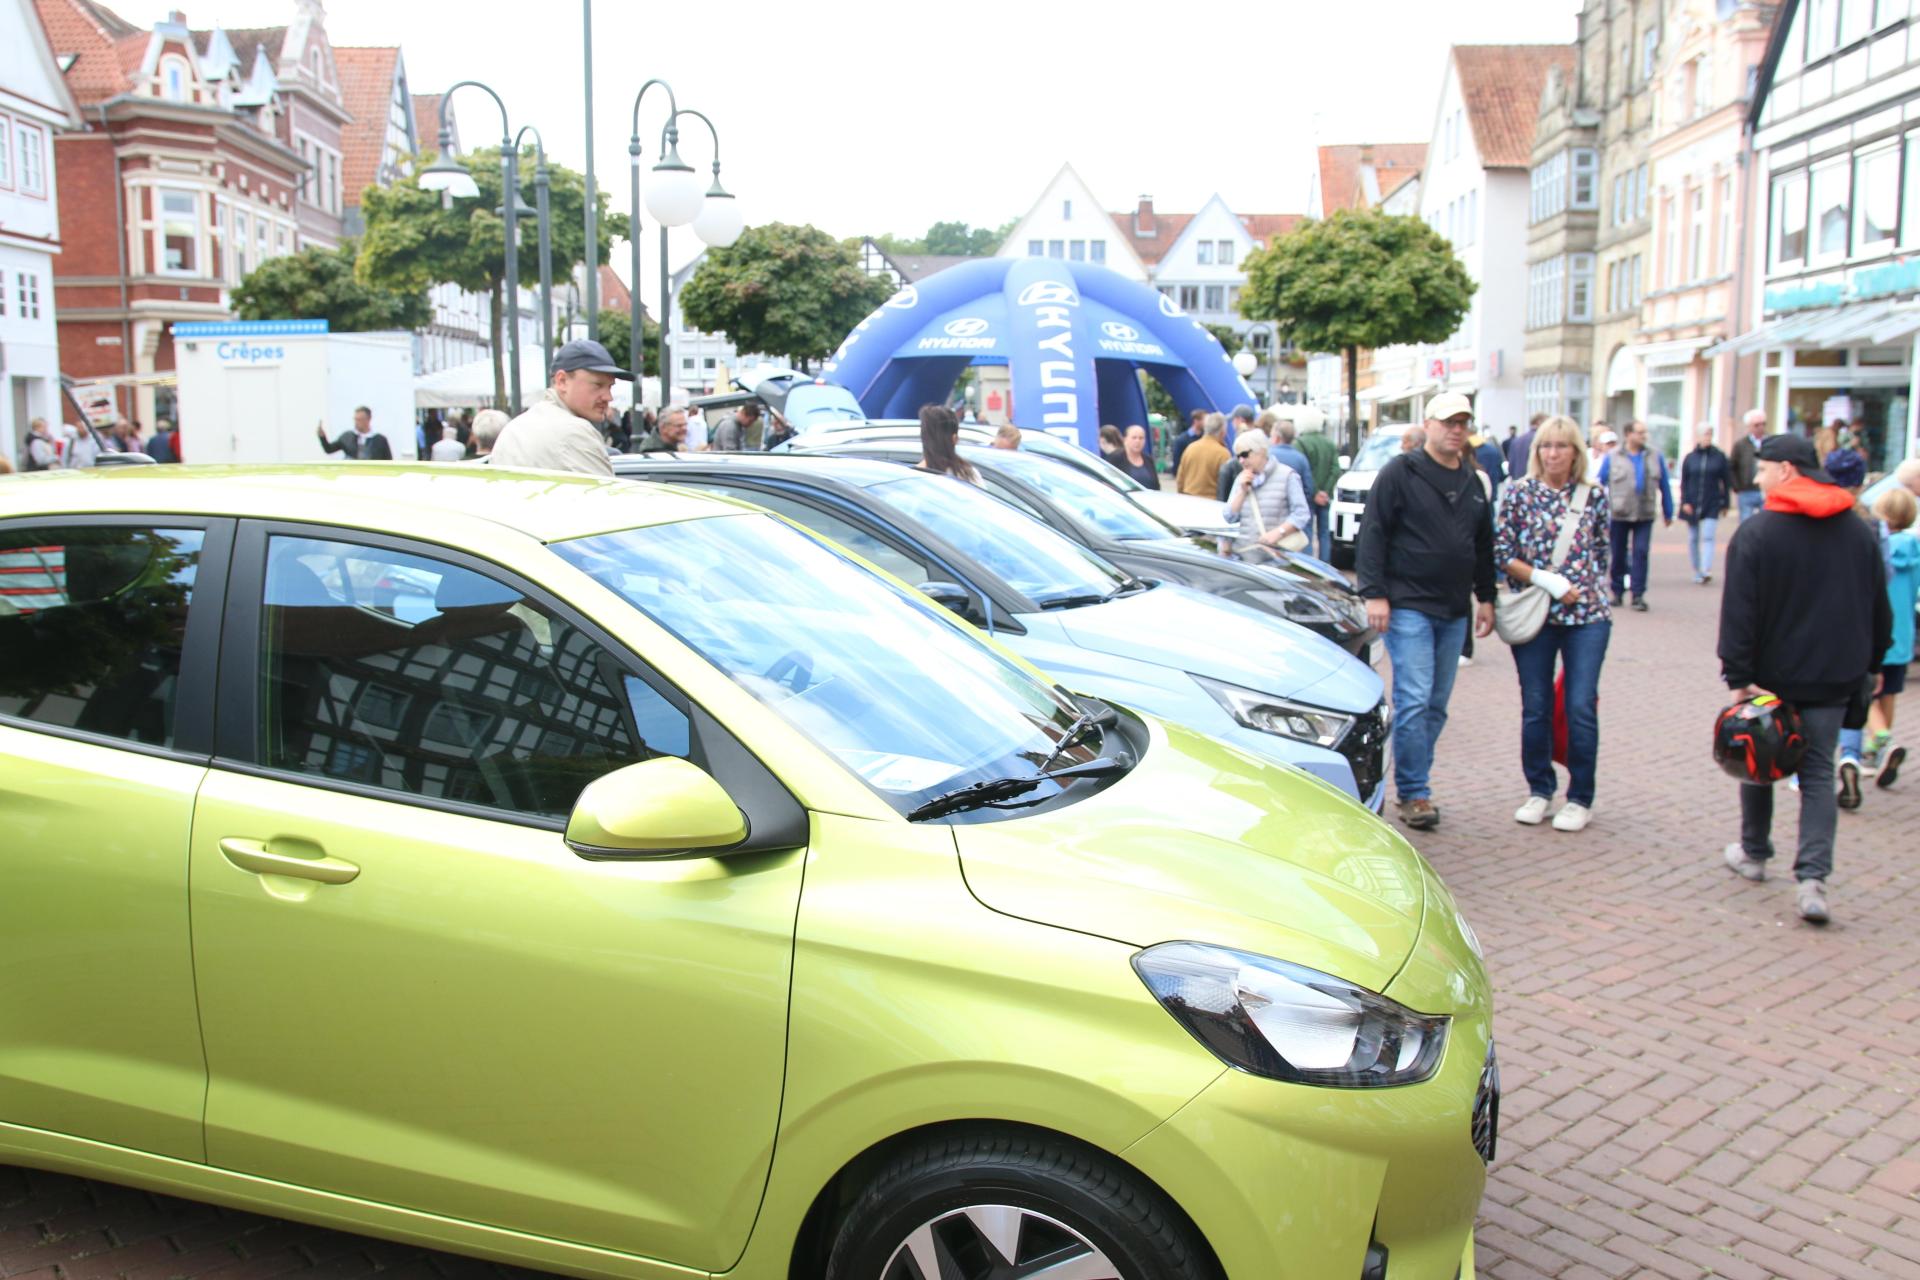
784 290
1361 278
415 239
319 284
951 239
616 332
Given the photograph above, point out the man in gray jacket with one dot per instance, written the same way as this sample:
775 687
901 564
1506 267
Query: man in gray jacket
557 432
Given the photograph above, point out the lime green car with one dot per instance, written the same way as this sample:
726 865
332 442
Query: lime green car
629 883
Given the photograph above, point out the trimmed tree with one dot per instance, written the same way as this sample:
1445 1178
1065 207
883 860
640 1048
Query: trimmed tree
414 239
1360 278
783 290
319 284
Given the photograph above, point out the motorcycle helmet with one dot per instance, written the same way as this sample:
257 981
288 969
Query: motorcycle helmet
1759 740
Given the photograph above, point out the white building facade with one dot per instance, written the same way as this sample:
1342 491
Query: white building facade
1068 222
34 106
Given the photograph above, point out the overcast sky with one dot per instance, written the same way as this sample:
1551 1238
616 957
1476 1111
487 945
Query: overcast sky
862 117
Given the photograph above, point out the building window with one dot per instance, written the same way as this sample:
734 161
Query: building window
261 230
1641 202
1056 248
1697 235
1831 214
1638 290
1547 188
1224 253
686 364
1203 252
1546 293
1910 214
1876 200
179 232
1066 211
1097 251
1586 178
1580 288
1670 241
175 79
1233 299
1077 250
1789 229
28 283
1856 20
6 153
1725 249
1216 297
1577 392
1189 297
1649 52
1036 248
29 146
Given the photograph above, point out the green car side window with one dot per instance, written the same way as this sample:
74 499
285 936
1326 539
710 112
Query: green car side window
91 623
423 677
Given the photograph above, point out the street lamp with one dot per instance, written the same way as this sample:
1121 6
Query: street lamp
635 356
1253 361
542 185
448 176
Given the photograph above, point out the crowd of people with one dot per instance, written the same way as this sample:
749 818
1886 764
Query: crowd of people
64 446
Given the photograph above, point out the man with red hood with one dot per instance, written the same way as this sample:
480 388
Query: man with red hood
1805 617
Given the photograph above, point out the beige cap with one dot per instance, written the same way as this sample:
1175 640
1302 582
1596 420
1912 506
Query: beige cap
1446 405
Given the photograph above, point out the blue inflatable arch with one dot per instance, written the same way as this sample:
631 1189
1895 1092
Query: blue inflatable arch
1072 334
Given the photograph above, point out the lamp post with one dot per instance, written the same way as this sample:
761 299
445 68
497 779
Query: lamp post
542 186
666 197
593 212
718 224
448 175
1253 361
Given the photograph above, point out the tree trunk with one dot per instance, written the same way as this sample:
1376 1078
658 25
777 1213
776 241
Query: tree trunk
1353 401
499 356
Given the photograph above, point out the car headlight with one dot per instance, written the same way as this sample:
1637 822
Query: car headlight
1288 1022
1303 607
1269 714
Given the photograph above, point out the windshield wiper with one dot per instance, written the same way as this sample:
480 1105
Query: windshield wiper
991 793
1073 601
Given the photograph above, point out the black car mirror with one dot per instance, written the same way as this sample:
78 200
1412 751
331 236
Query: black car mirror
952 597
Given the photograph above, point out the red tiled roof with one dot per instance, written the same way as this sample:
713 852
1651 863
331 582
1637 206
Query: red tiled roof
1500 85
247 39
105 46
1341 186
1266 227
366 90
614 294
1152 246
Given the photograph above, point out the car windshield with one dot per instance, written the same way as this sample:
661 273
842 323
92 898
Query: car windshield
1079 459
1377 452
1033 559
812 403
1077 493
883 680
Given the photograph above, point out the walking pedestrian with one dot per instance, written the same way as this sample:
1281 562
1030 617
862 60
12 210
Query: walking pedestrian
1549 506
1323 456
448 447
1492 460
79 445
1804 616
1427 542
560 430
1271 497
1196 428
362 443
40 451
1745 463
1635 481
1279 429
1201 464
1134 459
1870 750
1520 448
1704 480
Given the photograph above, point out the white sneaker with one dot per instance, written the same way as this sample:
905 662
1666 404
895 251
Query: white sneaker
1465 661
1533 812
1572 817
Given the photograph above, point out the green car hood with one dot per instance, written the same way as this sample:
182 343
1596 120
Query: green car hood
1203 843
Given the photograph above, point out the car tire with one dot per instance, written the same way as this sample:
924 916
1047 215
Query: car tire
1343 555
986 1203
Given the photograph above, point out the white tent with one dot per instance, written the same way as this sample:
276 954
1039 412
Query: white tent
470 386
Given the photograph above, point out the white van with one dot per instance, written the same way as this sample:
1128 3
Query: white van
1350 492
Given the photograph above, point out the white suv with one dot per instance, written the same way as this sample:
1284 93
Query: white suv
1350 492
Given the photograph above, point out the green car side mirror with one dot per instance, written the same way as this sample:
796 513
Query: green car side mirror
659 808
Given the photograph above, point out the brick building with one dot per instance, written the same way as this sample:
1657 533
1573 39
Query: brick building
204 154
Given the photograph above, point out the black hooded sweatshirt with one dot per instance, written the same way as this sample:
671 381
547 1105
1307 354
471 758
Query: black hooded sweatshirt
1426 540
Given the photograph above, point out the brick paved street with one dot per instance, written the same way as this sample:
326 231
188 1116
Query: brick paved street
1697 1083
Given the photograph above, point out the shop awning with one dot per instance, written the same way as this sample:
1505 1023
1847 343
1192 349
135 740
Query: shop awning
1871 323
1388 395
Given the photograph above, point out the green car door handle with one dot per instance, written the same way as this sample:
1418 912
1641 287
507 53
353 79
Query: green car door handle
253 855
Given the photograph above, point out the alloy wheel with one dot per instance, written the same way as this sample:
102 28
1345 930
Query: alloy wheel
997 1242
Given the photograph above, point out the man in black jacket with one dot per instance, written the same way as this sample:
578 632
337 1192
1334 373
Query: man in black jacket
1805 617
361 443
1426 547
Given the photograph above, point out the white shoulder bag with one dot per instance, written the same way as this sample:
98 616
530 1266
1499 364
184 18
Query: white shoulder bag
1519 615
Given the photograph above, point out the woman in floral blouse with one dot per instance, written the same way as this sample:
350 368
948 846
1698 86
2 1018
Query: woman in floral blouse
1579 622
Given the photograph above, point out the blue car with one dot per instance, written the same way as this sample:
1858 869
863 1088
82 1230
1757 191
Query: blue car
1267 686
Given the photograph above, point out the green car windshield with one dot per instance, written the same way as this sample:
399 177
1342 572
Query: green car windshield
880 678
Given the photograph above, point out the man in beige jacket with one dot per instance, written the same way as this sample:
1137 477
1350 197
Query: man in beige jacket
557 432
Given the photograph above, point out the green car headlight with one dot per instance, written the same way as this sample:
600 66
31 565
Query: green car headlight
1288 1022
1270 714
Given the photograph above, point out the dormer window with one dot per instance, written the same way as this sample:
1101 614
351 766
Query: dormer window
175 80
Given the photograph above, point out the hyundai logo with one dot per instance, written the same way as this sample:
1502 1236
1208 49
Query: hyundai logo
1168 307
1048 293
905 300
1122 332
966 327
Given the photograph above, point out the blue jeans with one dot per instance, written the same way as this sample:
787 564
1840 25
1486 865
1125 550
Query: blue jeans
1323 532
1700 544
1749 501
1639 535
1583 649
1425 652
